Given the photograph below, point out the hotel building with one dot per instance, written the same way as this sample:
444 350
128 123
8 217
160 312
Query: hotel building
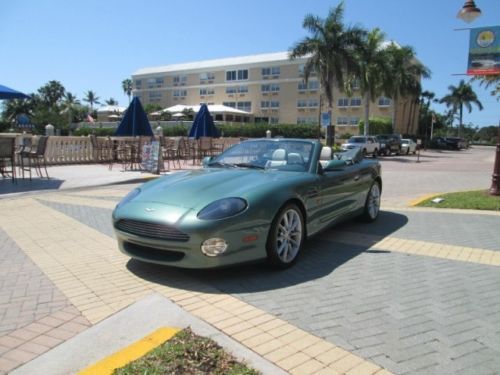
269 87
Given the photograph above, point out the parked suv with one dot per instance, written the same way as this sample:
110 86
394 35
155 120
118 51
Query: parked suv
369 145
389 143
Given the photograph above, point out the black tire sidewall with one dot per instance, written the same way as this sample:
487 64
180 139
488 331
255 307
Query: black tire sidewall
272 254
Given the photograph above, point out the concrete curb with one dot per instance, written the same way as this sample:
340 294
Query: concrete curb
128 326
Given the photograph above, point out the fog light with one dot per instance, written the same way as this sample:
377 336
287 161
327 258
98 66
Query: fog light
213 247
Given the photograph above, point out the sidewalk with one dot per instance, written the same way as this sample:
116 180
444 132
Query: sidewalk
416 291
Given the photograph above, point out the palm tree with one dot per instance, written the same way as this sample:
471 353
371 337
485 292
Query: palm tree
52 93
111 101
371 64
402 75
91 98
490 81
69 103
330 52
127 88
460 96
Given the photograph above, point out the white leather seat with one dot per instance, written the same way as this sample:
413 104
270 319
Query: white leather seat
325 156
277 159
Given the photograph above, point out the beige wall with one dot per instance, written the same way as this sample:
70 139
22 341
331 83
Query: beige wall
288 95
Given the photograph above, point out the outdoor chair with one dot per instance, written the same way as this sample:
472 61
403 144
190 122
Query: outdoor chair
102 149
8 157
23 156
170 151
36 156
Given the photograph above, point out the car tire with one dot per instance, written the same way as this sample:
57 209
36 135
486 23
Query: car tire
398 151
375 153
286 236
372 203
364 152
387 152
408 151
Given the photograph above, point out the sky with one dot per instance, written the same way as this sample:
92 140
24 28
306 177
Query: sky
95 45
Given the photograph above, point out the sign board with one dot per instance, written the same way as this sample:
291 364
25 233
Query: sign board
150 156
325 119
484 51
419 142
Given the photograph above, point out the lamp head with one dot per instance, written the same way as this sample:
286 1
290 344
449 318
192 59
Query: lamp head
469 11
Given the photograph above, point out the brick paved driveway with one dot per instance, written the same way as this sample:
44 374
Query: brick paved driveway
416 292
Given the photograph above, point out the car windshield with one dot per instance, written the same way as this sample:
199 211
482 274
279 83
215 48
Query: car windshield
357 140
405 141
287 155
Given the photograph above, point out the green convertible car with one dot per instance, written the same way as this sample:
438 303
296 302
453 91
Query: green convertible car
259 199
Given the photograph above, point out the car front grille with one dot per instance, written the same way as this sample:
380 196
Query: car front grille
151 230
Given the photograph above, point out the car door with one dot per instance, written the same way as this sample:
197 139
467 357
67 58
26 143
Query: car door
338 193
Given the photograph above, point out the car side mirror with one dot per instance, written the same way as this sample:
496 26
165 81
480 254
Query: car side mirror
334 165
206 160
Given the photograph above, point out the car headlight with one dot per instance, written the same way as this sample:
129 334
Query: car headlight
134 193
222 208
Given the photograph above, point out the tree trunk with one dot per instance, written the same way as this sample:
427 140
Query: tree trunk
394 112
367 114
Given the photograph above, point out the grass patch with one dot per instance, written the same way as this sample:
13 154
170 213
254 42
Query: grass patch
469 200
187 353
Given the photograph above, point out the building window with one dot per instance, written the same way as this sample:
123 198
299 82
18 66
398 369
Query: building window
343 102
307 120
313 103
236 89
207 76
180 79
302 69
342 120
274 120
229 104
301 103
244 106
138 84
384 101
207 91
272 71
237 75
179 93
356 84
310 86
356 102
270 87
154 82
269 104
353 120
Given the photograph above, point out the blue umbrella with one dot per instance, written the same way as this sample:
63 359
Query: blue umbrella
8 93
135 122
203 124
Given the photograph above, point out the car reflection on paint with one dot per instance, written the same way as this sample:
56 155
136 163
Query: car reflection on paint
258 200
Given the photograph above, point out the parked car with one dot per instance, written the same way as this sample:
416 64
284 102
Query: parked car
449 143
259 199
408 145
368 145
389 143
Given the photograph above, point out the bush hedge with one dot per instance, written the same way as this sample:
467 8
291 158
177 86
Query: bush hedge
378 125
227 130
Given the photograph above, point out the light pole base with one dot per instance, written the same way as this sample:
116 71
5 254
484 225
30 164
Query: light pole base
495 178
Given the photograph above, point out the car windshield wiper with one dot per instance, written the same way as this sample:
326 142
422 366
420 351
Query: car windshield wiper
248 165
222 164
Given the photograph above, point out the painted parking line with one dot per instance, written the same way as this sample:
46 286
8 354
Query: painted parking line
131 353
423 248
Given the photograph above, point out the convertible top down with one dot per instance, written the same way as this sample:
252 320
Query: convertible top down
260 199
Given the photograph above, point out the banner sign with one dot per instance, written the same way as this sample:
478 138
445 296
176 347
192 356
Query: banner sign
325 119
151 156
484 51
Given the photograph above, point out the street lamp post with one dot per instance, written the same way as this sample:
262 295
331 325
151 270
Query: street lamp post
495 178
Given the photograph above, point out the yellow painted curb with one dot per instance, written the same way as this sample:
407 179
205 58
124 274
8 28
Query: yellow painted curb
417 201
131 352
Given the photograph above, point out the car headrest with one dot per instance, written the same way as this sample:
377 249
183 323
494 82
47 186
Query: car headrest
326 153
295 158
279 154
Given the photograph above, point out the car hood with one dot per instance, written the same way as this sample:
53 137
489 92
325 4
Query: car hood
197 188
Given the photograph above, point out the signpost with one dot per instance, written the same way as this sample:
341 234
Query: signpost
150 157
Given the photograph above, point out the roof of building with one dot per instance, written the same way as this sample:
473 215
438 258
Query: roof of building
212 108
217 63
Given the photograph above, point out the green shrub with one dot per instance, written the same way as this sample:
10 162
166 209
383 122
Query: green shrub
378 125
